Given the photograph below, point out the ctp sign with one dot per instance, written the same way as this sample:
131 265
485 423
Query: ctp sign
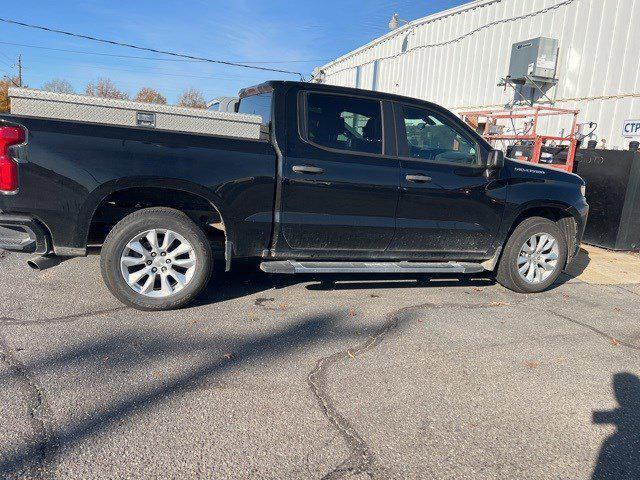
631 128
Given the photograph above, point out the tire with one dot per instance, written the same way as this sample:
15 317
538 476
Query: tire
511 262
182 259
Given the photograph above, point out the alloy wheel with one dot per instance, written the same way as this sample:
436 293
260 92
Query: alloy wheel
538 258
158 263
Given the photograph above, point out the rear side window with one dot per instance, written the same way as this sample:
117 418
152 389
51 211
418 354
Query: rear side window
259 104
344 123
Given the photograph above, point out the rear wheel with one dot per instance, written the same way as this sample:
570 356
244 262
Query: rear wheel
156 259
534 256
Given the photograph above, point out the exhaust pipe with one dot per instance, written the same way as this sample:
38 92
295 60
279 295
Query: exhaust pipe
44 262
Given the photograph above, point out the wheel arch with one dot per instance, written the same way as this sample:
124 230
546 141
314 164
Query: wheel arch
181 189
567 217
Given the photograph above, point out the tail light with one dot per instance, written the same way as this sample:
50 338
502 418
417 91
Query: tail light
8 166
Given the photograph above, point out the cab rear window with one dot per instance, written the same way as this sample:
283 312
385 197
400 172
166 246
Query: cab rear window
259 104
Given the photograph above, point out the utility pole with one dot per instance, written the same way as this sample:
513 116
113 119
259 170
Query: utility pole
20 70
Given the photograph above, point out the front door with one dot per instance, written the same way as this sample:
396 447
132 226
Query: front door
448 206
340 188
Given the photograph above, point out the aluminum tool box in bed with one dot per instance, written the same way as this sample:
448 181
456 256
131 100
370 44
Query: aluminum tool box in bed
82 108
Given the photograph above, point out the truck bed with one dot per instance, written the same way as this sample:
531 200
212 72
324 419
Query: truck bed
68 170
106 111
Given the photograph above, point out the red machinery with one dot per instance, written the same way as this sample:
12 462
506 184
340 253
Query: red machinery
527 118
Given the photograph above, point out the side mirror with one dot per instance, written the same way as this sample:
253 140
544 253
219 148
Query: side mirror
495 160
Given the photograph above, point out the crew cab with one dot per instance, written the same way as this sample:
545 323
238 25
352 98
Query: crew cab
345 181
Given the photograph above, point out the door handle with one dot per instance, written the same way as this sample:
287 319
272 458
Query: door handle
418 178
310 169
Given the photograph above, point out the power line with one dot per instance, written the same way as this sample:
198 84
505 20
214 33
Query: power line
11 63
7 64
468 34
6 56
146 49
81 52
152 71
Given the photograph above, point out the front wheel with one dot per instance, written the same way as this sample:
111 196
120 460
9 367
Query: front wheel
534 256
156 259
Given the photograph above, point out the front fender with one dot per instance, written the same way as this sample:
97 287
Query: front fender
568 200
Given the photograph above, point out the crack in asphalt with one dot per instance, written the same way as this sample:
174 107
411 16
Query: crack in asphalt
8 321
627 290
595 330
361 460
39 412
40 455
263 301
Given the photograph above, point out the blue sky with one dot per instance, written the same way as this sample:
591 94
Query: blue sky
303 34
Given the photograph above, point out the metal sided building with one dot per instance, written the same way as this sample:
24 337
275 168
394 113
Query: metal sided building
457 57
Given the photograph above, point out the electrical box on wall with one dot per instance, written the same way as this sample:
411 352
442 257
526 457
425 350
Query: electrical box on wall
537 58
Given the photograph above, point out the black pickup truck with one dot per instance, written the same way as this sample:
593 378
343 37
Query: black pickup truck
347 181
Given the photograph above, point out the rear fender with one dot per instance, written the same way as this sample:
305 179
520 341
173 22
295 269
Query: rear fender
96 197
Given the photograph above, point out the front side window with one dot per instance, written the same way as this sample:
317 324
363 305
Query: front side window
344 123
432 137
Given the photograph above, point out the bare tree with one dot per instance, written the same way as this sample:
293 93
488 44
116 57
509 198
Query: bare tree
149 95
105 88
5 83
58 85
192 98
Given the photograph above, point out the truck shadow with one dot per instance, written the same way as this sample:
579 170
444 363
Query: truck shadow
574 270
619 456
247 279
577 266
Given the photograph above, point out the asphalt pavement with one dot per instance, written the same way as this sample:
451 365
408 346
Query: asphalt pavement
284 377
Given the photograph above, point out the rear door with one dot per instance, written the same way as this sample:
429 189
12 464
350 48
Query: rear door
340 175
448 205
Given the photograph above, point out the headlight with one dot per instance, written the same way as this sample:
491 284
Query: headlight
583 190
